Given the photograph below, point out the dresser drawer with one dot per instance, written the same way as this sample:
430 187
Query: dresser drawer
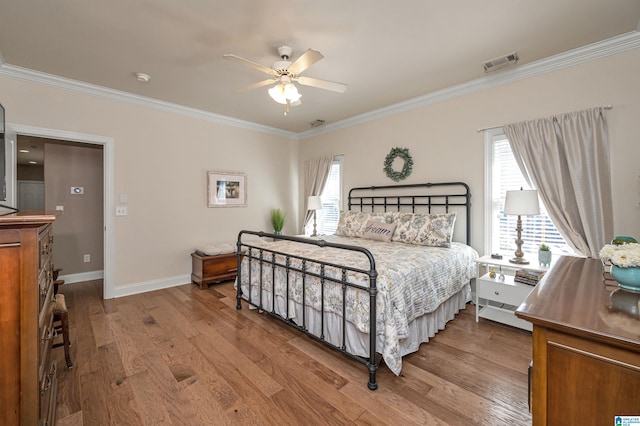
45 283
507 292
48 394
47 334
45 246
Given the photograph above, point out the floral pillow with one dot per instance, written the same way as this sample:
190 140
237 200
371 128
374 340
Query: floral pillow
407 226
351 223
437 230
378 231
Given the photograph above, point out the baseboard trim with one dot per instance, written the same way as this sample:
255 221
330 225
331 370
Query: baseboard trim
82 276
145 286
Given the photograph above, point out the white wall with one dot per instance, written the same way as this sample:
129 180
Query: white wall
445 144
161 158
160 163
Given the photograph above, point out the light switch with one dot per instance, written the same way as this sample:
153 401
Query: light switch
121 211
123 198
61 208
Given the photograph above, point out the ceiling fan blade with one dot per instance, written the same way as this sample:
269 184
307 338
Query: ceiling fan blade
252 64
323 84
258 84
308 58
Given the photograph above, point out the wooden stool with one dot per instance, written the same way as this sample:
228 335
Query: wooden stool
61 316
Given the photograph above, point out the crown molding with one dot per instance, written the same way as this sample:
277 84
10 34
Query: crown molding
557 62
50 80
570 58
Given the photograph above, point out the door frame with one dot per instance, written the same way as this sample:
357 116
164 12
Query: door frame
107 166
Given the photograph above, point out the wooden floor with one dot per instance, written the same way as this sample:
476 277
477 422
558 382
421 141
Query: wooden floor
185 356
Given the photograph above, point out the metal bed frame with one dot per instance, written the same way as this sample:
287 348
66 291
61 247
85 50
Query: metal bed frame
442 197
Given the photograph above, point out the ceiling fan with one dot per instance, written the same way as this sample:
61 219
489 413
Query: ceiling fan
285 73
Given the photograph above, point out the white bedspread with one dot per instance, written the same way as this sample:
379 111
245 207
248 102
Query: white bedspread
412 280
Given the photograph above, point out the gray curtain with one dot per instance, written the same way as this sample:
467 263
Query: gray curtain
566 158
316 173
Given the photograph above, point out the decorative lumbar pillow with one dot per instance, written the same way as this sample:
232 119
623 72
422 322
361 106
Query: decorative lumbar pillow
437 230
378 231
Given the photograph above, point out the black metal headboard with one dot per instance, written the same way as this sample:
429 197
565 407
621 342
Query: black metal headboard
432 197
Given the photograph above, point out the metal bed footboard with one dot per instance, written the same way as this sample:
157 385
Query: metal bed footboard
273 259
439 197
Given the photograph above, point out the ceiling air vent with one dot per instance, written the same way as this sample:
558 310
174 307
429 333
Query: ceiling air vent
501 62
316 123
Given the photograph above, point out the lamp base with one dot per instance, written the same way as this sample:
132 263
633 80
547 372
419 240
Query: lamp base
519 261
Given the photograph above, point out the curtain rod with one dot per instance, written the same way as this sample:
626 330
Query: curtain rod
500 125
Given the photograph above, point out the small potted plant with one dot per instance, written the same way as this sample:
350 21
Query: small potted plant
277 220
544 255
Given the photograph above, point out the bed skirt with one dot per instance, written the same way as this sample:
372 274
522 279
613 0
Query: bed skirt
356 342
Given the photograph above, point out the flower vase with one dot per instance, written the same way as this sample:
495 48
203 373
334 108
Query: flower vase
628 278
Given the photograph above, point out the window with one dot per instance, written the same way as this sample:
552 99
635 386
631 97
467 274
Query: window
503 174
327 218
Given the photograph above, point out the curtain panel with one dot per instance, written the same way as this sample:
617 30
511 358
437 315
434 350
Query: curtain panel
316 173
566 157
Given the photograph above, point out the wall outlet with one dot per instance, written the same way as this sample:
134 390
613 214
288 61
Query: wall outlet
121 211
87 258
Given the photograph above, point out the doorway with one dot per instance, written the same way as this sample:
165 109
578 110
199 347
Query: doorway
82 140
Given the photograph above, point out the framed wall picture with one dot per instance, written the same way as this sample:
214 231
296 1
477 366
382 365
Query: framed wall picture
226 189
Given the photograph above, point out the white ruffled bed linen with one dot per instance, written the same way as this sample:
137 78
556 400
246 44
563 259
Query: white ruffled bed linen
419 289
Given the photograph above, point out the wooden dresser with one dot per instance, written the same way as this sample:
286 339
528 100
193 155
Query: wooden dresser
27 373
586 352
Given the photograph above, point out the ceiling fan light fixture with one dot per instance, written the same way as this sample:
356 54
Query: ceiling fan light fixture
285 93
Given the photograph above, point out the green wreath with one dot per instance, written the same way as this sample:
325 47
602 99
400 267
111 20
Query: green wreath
406 169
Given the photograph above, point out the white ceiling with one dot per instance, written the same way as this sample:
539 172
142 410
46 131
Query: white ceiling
387 52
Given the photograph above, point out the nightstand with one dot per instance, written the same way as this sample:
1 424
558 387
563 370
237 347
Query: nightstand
497 300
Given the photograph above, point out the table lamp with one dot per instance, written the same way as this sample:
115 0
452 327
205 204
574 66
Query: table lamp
522 203
314 202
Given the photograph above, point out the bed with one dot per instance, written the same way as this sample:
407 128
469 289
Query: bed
390 278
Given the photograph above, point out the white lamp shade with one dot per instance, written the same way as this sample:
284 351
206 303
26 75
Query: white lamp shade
523 202
314 202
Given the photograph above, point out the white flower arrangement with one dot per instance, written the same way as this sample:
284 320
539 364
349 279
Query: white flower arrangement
623 255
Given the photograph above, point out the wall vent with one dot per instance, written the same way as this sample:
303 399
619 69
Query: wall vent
501 62
316 123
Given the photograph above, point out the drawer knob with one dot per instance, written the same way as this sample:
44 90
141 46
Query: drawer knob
497 293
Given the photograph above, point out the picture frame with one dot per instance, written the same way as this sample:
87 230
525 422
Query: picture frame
226 189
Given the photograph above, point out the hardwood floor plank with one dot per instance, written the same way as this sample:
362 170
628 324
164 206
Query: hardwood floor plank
94 402
123 408
213 343
184 355
151 403
389 408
